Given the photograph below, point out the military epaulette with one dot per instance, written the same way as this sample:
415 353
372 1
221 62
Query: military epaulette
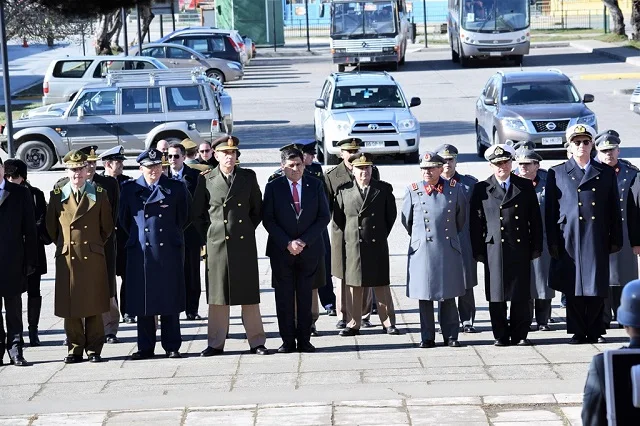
56 190
205 172
331 170
629 164
452 182
99 188
414 186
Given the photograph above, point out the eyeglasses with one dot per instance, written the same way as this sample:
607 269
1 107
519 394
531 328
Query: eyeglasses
584 142
176 156
204 151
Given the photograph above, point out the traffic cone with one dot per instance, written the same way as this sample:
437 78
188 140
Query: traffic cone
24 42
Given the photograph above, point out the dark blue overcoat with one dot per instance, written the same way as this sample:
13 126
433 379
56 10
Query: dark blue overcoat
155 222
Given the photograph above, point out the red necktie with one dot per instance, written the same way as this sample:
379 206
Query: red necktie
296 197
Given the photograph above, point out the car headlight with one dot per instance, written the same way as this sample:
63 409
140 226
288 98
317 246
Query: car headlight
234 66
514 123
589 120
407 125
342 126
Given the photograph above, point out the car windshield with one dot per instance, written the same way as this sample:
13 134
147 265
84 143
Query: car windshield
489 16
358 18
387 96
557 92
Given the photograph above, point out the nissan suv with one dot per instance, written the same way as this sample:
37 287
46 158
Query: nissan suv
134 109
535 106
370 106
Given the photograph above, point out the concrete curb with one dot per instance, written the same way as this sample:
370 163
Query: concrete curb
620 53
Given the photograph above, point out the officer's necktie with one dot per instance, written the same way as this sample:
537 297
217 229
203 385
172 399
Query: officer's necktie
296 197
504 186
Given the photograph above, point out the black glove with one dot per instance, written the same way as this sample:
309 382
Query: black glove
554 251
481 258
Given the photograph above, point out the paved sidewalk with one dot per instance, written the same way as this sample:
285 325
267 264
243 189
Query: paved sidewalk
544 410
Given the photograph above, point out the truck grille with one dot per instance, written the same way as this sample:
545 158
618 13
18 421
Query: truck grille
557 126
371 45
370 128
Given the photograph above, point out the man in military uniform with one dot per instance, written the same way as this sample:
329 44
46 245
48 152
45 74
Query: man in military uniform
154 211
529 168
434 213
466 302
584 227
366 207
506 234
191 153
18 260
80 221
15 171
623 265
227 213
113 162
193 241
594 405
112 188
334 179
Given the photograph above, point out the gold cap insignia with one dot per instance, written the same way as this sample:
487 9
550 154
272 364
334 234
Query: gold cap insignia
427 157
230 142
499 151
152 154
580 129
446 152
92 153
76 157
363 159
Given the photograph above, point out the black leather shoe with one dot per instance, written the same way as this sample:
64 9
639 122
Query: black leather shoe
347 332
306 347
193 317
544 328
259 350
598 339
209 351
18 361
142 355
469 329
341 324
577 340
426 344
286 349
392 330
551 320
366 324
173 354
72 359
34 340
452 343
129 319
332 312
94 358
524 342
314 332
111 339
501 342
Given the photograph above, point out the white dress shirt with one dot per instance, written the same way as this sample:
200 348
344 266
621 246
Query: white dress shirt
508 182
298 188
177 175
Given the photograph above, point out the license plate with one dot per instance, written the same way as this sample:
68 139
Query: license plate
365 59
552 141
373 144
495 54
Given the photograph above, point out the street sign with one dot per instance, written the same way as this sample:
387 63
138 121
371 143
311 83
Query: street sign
159 7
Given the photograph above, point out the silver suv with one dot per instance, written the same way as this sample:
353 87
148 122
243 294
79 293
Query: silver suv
370 106
134 109
535 106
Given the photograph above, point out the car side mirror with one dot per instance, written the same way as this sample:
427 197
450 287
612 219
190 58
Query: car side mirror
489 101
80 113
320 104
414 102
588 98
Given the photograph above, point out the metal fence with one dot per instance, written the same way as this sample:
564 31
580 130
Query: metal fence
547 21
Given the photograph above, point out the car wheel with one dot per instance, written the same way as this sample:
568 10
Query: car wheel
340 68
480 148
412 158
403 59
464 61
37 154
217 74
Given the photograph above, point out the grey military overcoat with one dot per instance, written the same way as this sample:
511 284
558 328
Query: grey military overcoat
434 223
366 224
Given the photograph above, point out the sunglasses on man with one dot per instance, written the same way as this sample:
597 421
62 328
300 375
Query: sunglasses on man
205 151
577 142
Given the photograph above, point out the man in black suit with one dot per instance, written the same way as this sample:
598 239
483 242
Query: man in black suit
594 405
506 234
295 213
15 171
192 240
18 259
584 226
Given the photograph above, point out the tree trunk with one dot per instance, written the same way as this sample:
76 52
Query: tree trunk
50 40
107 27
146 17
635 19
616 15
